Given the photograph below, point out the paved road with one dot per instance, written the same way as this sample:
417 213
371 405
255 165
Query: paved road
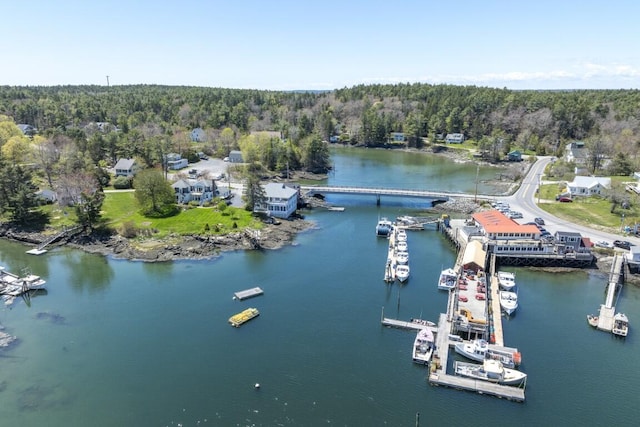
525 200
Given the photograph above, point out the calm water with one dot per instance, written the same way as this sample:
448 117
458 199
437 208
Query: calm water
116 343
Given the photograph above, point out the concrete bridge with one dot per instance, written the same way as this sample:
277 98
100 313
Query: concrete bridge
435 196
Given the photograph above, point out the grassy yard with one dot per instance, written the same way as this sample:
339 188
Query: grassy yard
120 210
590 211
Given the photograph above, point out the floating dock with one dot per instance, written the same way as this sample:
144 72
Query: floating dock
248 293
605 321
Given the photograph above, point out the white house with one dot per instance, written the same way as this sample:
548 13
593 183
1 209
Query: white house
589 185
575 152
126 167
176 162
281 201
454 138
198 135
199 190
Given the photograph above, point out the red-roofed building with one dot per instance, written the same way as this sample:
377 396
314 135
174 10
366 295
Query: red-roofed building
497 226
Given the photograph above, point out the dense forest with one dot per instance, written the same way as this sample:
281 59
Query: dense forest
80 130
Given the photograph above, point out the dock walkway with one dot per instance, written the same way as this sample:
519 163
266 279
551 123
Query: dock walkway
608 310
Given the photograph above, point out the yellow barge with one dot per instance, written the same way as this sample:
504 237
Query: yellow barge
244 316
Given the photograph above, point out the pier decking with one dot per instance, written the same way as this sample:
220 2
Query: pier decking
608 310
248 293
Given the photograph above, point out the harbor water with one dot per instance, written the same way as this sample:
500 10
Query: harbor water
119 343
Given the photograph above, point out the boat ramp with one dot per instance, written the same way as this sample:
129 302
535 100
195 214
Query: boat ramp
248 293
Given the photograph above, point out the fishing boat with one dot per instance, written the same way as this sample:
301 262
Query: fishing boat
506 280
401 235
423 346
33 282
448 279
384 227
508 301
402 272
480 349
244 316
402 257
490 370
620 325
402 246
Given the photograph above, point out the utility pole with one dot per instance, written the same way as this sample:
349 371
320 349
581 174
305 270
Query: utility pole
475 197
107 81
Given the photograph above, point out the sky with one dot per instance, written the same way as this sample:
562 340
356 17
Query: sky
322 45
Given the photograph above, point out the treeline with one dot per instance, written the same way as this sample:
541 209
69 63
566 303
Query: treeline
535 121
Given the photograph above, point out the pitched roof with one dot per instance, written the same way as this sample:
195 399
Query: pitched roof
125 164
494 221
590 181
277 190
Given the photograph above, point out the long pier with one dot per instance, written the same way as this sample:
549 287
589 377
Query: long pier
608 309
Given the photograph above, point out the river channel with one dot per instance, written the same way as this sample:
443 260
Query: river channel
119 343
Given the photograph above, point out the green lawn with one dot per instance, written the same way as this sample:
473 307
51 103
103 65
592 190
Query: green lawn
120 208
590 211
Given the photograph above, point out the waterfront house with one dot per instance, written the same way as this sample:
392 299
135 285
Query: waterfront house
281 200
235 156
198 190
454 138
514 156
175 161
397 137
198 135
589 185
126 167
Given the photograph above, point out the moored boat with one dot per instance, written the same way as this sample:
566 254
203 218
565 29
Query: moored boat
592 320
401 235
480 349
448 279
620 325
33 282
508 301
402 272
490 370
402 246
423 346
506 280
384 227
402 257
244 316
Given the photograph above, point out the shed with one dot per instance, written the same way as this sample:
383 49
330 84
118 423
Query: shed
474 256
235 156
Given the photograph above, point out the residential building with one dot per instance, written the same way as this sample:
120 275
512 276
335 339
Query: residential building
454 138
27 129
589 185
176 162
126 167
235 156
281 200
576 152
397 137
514 156
199 190
198 135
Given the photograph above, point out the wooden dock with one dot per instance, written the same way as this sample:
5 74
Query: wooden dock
495 312
415 325
248 293
439 377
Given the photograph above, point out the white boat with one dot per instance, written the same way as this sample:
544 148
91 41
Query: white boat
490 370
33 282
448 279
401 235
402 246
479 350
402 257
402 272
508 301
423 346
384 227
620 324
506 280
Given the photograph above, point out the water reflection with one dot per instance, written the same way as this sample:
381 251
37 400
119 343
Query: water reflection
87 272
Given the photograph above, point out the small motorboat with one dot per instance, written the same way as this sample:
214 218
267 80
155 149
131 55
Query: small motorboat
402 272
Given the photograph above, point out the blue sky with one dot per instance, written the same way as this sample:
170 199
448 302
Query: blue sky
329 44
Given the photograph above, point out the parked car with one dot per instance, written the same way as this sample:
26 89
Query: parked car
514 214
539 221
622 244
565 199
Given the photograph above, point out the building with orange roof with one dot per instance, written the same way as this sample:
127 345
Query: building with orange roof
497 226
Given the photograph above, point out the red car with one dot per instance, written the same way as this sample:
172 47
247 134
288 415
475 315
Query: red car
565 199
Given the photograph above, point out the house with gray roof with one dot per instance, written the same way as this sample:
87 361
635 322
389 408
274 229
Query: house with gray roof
454 138
589 185
126 167
199 190
281 200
